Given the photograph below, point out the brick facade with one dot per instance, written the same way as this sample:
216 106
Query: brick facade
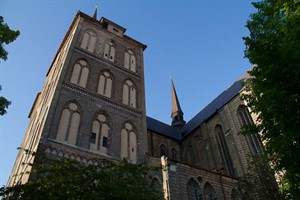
195 151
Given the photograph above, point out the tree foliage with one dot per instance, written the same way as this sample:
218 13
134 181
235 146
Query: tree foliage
4 103
274 89
6 36
258 182
68 179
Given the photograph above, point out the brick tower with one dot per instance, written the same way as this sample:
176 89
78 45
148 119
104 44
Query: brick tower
92 104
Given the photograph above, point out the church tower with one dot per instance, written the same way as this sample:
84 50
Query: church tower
92 104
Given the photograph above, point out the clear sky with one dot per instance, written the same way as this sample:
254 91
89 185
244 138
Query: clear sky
198 42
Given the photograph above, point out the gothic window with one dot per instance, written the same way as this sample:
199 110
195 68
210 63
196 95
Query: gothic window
236 195
163 150
128 143
174 154
253 140
69 124
105 84
156 185
109 51
99 134
88 41
224 150
209 192
80 73
193 190
129 93
130 60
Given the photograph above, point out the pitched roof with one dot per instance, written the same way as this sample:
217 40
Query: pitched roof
199 118
214 106
163 129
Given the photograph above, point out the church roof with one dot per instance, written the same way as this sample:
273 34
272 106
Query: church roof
214 106
199 118
163 129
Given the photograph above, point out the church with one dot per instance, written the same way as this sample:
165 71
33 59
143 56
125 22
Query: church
92 105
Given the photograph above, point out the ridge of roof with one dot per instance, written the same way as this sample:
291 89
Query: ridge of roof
213 106
163 128
198 119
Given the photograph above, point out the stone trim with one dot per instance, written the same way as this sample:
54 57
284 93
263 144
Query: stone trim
103 100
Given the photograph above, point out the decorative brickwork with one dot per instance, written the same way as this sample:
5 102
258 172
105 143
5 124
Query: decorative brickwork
203 157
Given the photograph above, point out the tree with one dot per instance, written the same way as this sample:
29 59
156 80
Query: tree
4 103
68 179
273 93
6 36
258 182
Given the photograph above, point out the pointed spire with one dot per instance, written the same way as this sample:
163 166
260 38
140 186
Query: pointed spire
177 114
95 13
175 102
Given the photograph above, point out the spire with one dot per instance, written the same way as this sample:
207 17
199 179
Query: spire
95 13
177 114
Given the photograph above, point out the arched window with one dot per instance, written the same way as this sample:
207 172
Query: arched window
99 136
129 93
69 124
236 195
223 150
130 60
253 139
163 150
174 154
209 192
105 84
109 51
156 185
193 190
88 41
80 73
128 143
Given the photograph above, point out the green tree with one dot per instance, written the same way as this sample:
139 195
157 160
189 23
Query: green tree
4 103
6 36
273 91
258 181
68 179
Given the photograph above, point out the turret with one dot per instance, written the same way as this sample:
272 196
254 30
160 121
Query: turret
177 114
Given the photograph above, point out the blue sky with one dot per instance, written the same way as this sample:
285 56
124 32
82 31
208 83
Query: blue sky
197 42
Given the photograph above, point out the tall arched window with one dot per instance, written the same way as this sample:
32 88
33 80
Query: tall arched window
224 150
105 84
99 136
209 192
253 139
80 73
236 194
130 60
69 124
129 93
174 154
128 143
109 51
193 190
88 41
156 185
163 150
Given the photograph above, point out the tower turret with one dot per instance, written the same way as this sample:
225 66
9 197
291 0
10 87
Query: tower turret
95 13
177 114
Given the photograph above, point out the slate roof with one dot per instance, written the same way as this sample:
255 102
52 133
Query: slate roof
214 106
163 129
198 119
